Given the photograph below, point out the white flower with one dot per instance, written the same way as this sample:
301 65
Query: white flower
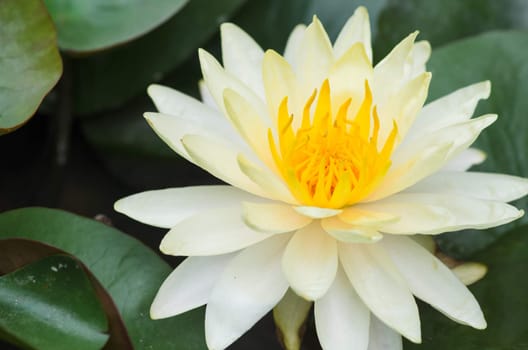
333 165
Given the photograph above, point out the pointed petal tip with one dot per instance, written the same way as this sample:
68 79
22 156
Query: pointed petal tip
427 76
228 26
156 312
487 89
417 339
361 9
204 57
119 205
152 89
306 296
149 116
480 324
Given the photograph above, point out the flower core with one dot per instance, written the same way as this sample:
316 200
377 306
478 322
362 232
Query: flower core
331 161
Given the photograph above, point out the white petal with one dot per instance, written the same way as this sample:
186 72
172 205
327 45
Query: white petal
402 107
465 160
172 128
489 186
293 44
348 233
242 56
383 337
381 287
341 318
401 176
188 286
173 102
220 160
280 82
217 80
354 216
206 96
310 262
250 286
181 115
411 162
434 213
347 78
389 73
165 208
316 212
269 182
470 272
273 217
454 108
315 56
212 232
356 29
430 280
416 61
249 125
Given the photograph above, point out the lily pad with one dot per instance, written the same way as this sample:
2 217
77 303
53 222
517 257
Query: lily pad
444 21
129 271
30 64
97 24
107 80
50 300
16 253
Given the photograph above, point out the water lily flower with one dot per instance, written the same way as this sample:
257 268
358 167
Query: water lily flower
332 166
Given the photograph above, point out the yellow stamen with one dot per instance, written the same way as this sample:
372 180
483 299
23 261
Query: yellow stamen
331 161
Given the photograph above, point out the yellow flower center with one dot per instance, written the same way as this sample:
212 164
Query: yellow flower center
331 161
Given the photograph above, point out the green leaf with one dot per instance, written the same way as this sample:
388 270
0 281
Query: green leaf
502 296
98 24
30 63
129 271
443 21
50 304
501 57
109 79
17 253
